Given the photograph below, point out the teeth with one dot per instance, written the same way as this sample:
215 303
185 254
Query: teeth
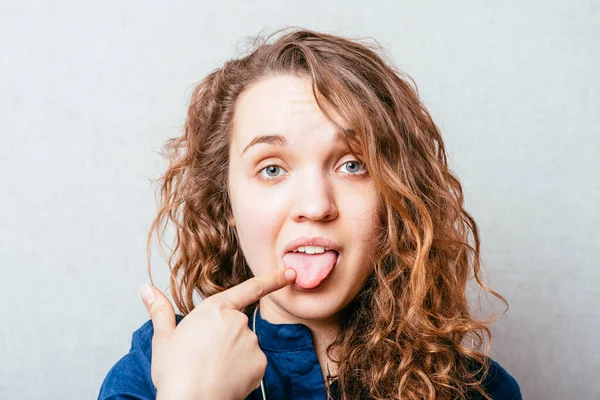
311 249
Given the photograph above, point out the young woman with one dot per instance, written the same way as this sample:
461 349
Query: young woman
316 215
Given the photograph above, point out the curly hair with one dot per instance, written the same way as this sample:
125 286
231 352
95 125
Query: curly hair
409 333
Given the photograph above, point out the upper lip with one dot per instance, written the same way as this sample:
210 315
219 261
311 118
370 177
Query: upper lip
312 241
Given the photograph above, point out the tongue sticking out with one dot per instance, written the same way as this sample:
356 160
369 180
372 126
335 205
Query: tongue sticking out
311 269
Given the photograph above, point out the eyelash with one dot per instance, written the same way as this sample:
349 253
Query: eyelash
275 177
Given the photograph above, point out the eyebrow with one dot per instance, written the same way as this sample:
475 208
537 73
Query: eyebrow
280 141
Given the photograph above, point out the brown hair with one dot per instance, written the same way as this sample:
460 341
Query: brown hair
406 332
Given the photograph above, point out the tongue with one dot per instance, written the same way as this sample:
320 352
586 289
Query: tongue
311 269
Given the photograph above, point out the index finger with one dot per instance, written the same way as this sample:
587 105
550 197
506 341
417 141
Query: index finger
254 289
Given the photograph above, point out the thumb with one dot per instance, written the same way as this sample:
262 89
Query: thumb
160 309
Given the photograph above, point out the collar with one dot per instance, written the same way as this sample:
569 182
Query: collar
281 337
293 370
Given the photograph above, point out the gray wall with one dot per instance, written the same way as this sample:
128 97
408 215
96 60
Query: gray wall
91 90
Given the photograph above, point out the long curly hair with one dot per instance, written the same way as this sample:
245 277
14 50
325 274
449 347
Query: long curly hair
409 333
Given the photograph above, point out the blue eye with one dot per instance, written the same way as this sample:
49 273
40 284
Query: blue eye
271 169
354 165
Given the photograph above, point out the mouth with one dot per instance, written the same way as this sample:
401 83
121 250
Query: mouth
312 269
312 245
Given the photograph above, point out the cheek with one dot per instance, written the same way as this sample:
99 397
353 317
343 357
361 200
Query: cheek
362 227
361 214
258 220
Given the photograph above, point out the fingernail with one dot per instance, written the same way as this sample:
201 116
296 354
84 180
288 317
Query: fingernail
148 295
289 274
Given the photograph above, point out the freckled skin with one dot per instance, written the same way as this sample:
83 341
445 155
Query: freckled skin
312 190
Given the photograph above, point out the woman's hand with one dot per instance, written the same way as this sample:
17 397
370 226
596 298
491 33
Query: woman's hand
212 353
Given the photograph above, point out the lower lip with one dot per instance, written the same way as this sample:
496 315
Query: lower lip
337 261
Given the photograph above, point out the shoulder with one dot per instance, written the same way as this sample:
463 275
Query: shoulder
500 384
131 376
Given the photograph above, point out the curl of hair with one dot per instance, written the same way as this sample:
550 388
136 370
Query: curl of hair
409 333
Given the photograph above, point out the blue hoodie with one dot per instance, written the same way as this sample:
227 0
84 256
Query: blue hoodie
293 369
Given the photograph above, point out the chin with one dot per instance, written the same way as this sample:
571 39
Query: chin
310 305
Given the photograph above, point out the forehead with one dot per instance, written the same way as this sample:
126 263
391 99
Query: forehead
280 104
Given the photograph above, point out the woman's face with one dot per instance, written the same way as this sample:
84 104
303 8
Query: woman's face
298 181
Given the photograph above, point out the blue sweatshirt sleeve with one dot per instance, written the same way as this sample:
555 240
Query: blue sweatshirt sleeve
130 378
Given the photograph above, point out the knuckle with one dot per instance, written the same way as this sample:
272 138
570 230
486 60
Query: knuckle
158 308
262 361
217 313
243 319
221 307
256 287
214 305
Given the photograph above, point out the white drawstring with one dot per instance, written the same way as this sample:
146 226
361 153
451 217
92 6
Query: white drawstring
262 385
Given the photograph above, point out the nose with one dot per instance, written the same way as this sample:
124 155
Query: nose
313 199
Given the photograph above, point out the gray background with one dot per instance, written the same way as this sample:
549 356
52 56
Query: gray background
91 90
